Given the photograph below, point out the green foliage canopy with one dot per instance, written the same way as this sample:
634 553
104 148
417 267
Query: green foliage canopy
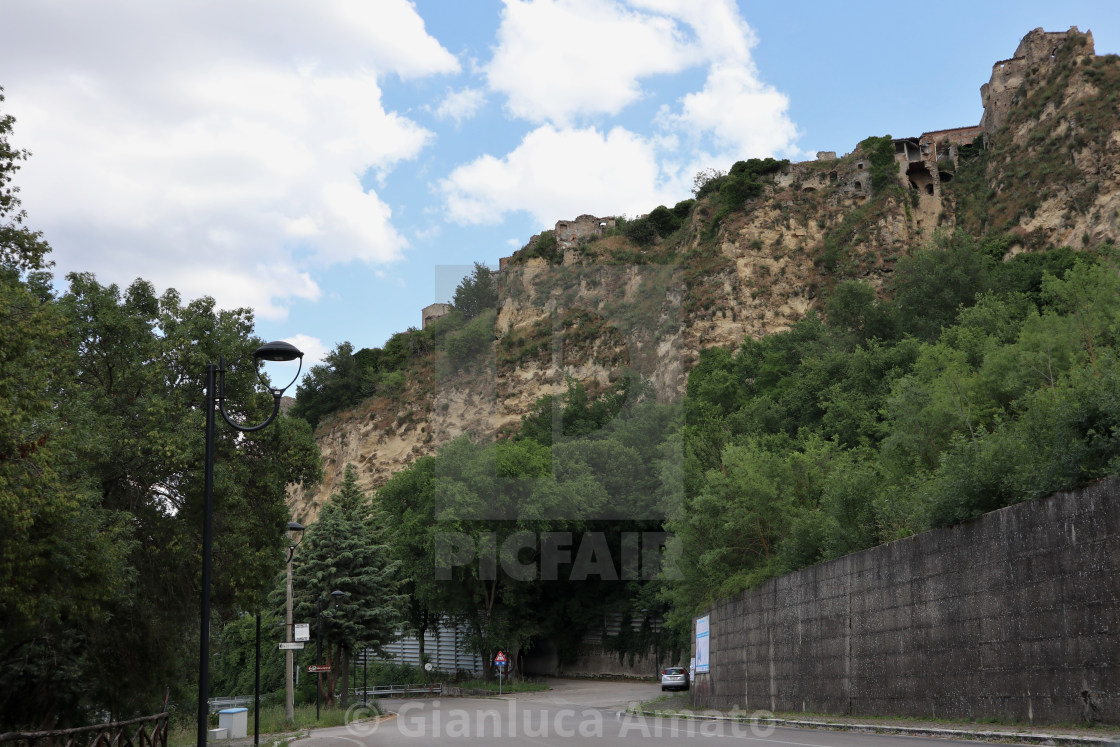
345 550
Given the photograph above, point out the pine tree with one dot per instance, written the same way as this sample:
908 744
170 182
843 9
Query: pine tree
345 551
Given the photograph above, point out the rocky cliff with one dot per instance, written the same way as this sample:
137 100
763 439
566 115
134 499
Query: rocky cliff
595 298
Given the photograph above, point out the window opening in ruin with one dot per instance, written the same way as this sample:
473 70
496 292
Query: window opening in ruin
859 186
929 188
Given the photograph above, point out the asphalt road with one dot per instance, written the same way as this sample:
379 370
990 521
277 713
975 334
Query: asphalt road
573 711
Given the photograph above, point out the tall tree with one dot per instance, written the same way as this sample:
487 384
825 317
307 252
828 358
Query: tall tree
345 551
62 557
476 293
137 401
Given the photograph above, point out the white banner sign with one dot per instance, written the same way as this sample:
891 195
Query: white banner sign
702 644
303 631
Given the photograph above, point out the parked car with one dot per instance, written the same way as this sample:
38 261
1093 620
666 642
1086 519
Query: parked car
674 678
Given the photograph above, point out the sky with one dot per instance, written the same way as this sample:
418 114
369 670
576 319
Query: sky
337 165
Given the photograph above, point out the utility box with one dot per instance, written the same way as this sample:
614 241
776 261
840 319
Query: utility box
235 721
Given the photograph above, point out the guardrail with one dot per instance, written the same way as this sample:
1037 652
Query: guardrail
232 701
383 691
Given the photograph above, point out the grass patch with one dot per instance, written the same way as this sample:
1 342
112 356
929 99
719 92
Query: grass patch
184 733
508 686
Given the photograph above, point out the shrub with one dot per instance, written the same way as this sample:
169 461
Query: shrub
642 231
664 220
707 181
683 209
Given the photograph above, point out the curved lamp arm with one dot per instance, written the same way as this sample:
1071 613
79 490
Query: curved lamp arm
272 351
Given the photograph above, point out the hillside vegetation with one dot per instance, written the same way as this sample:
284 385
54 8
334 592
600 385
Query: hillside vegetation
797 362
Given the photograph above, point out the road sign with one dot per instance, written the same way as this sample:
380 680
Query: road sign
500 659
318 668
295 646
303 632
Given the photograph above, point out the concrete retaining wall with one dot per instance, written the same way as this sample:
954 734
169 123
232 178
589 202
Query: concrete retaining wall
1015 615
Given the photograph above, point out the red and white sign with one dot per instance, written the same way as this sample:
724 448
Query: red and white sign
500 659
319 668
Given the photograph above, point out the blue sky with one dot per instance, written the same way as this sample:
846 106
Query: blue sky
338 165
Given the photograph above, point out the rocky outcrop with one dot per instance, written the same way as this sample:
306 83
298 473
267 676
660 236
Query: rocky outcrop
604 307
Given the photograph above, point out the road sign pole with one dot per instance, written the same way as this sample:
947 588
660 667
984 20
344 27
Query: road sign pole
500 663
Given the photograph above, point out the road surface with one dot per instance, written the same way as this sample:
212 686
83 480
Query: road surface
573 711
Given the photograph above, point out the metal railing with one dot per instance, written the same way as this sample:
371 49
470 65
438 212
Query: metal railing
232 701
384 691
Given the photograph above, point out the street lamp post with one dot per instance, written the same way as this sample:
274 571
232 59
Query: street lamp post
215 401
257 688
295 536
318 651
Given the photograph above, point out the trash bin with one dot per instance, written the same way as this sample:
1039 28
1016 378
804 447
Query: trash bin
235 720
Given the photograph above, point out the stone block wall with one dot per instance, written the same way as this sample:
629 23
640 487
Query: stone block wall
1014 615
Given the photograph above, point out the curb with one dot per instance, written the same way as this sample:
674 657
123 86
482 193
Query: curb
1059 740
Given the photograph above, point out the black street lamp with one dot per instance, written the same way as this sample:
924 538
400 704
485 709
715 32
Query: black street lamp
215 400
257 688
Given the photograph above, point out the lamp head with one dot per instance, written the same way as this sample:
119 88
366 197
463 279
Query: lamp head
295 533
278 350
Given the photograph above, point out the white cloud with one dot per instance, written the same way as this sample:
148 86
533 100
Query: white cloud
557 173
212 147
745 117
461 105
558 59
314 352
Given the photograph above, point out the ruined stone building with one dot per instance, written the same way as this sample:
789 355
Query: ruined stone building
1036 50
432 312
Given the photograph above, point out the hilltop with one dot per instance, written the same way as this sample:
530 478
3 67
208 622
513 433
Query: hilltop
755 250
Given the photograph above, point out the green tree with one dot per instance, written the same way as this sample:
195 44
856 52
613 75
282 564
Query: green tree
931 286
329 386
345 551
137 401
63 557
476 293
21 249
408 498
236 656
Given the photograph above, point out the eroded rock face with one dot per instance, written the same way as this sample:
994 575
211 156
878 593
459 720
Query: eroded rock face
1052 172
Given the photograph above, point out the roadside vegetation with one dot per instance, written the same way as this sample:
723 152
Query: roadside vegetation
101 496
969 380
